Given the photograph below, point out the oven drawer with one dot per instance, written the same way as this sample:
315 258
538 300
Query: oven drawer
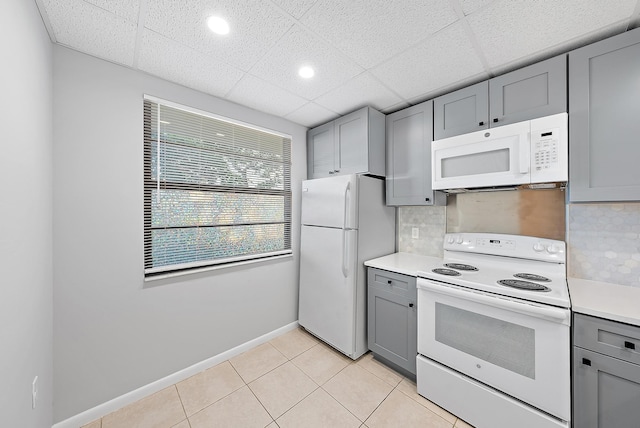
397 283
607 337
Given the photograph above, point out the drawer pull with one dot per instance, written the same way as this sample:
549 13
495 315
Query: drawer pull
586 361
389 282
629 345
411 305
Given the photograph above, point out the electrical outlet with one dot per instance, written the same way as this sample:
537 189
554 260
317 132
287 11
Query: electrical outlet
34 392
415 233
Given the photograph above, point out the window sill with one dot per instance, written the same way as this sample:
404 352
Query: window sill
169 275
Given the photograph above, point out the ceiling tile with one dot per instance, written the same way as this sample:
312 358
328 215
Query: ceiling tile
443 60
92 30
371 31
512 29
127 9
264 96
298 48
295 8
311 114
362 90
256 26
178 63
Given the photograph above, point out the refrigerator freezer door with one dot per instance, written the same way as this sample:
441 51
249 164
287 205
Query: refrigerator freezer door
328 285
330 202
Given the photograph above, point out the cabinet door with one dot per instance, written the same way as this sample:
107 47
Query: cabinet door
606 391
392 327
530 92
320 151
408 177
351 142
604 101
462 111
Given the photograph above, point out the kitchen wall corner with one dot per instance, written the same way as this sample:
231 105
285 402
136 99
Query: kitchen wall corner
431 224
604 242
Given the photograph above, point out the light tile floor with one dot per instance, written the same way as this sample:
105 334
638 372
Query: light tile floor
292 381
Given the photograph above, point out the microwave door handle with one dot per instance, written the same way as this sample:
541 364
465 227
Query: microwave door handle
557 314
524 155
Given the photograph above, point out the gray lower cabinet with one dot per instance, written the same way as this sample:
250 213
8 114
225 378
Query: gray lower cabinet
408 173
392 323
534 91
606 373
604 106
353 143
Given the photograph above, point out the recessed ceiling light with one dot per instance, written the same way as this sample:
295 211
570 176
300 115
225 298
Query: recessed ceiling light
306 72
218 25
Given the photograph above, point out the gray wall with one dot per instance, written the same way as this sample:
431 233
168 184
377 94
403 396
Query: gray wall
114 333
25 216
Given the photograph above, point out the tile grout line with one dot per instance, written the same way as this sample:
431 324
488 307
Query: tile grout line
175 385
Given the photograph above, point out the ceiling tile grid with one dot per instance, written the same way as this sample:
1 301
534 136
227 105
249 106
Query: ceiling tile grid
385 53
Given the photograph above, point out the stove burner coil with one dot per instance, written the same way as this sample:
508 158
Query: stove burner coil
532 277
523 285
448 272
460 266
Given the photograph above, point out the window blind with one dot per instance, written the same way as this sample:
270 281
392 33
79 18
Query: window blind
215 191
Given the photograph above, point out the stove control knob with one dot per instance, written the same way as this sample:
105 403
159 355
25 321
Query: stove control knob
553 249
450 240
538 247
459 240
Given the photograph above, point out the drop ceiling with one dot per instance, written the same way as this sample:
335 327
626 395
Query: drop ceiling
385 53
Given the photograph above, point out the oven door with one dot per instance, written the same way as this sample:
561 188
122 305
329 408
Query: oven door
519 348
494 157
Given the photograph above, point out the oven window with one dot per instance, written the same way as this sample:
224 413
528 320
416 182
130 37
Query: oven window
476 163
510 346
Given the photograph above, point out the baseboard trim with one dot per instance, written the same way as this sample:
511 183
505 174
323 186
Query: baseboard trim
130 397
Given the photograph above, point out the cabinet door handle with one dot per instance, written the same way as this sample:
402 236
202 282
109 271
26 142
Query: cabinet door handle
481 124
411 305
586 361
629 345
330 172
495 120
336 170
427 199
389 282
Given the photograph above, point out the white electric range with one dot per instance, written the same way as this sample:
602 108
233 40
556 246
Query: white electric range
494 331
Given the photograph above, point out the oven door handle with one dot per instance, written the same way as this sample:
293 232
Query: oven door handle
557 314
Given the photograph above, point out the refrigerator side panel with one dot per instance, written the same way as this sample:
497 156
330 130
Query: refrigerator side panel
330 202
327 285
376 237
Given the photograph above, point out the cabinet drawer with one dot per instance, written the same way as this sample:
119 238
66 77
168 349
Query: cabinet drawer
400 284
607 337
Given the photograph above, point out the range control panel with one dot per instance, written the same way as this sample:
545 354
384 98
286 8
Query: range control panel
525 247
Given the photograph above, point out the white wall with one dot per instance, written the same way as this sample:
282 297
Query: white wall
25 216
112 333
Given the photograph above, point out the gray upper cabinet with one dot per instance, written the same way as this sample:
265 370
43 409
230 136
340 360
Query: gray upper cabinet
353 143
528 93
409 136
462 111
604 125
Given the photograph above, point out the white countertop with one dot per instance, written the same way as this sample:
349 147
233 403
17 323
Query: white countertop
605 300
404 263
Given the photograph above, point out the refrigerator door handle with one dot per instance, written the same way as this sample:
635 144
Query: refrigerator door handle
345 254
347 192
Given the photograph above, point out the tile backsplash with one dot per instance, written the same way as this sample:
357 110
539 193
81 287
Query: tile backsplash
431 224
604 242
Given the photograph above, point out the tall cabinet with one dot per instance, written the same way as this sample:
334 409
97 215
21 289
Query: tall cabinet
604 127
353 143
409 137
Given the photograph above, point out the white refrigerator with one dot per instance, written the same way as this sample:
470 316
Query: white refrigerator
344 223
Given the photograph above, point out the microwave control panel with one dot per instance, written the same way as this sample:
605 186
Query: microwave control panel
549 149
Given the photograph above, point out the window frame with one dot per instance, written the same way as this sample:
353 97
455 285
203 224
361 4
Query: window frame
151 183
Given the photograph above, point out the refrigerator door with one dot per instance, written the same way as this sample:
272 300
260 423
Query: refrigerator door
328 285
330 202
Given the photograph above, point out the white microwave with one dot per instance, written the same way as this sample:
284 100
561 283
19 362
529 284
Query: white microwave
533 151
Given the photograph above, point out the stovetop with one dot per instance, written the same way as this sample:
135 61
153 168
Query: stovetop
516 266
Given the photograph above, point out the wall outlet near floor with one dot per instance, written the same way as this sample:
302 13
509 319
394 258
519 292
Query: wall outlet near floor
415 233
34 392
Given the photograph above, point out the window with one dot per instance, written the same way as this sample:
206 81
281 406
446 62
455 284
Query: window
216 191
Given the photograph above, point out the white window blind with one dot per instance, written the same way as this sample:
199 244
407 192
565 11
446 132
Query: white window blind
215 191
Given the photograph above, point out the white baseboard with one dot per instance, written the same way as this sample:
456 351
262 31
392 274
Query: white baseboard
117 403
